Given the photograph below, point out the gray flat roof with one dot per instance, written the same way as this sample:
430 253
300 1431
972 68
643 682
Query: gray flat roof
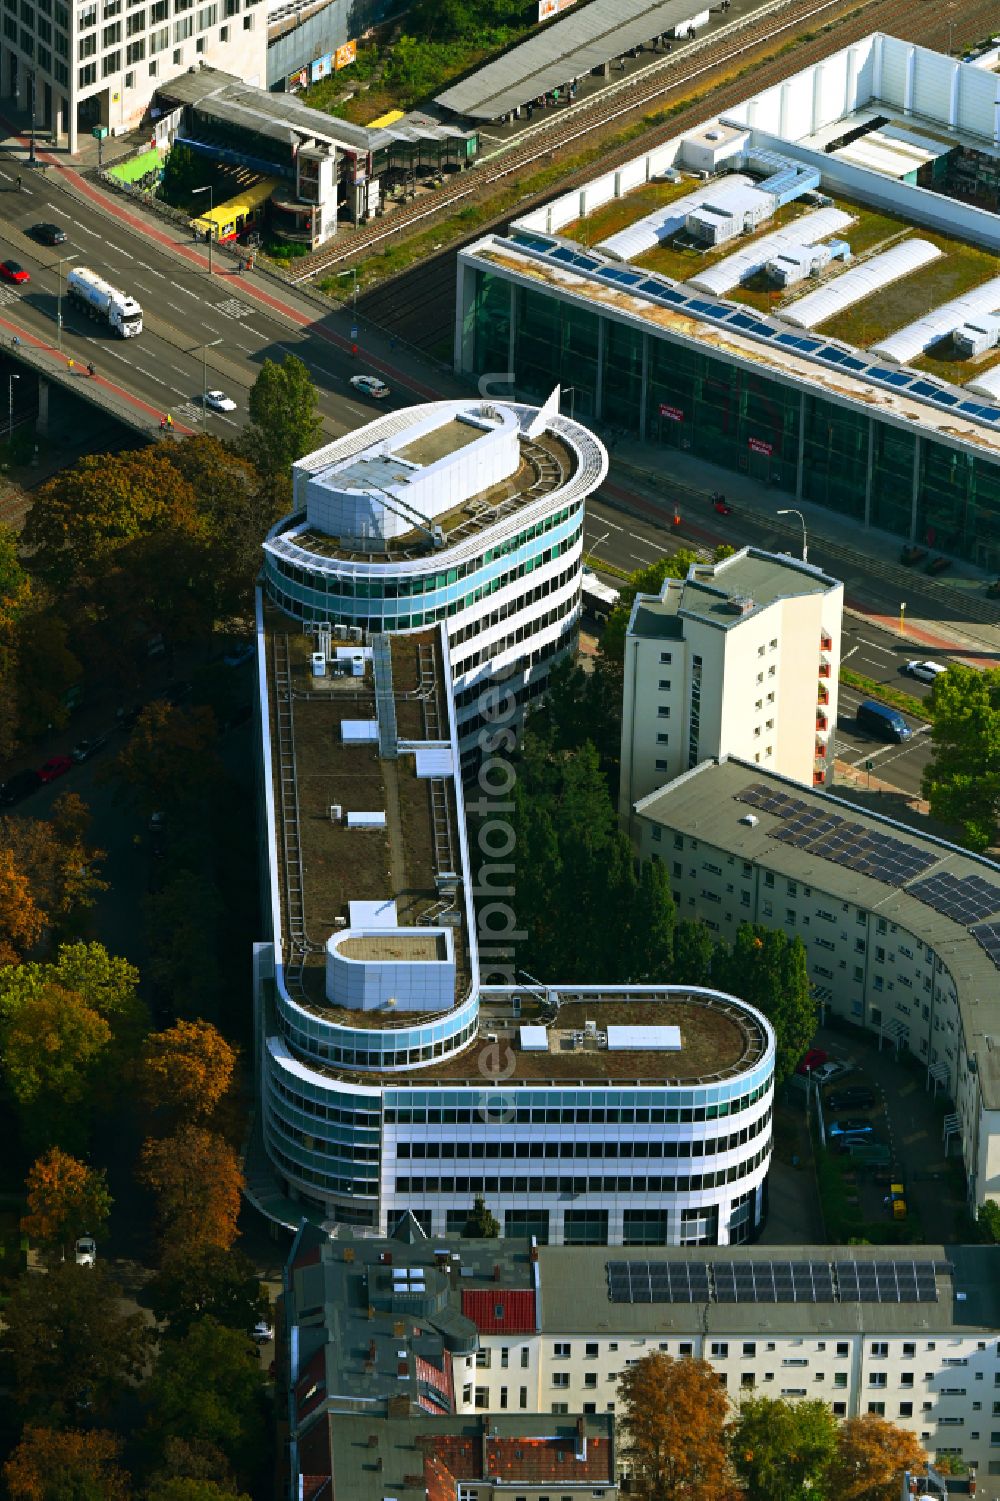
575 1293
702 804
567 48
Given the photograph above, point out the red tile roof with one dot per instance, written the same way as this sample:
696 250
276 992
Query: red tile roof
502 1310
541 1460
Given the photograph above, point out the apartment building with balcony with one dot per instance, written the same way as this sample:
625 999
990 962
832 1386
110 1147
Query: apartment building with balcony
902 930
741 657
912 1334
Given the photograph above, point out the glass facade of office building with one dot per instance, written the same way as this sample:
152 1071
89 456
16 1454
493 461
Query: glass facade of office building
643 381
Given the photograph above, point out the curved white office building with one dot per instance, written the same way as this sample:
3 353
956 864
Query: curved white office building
392 1079
468 512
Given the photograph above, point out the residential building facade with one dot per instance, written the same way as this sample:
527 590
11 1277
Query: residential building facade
742 657
901 929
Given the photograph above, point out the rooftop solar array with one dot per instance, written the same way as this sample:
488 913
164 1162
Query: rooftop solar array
966 899
842 840
734 315
988 935
775 1281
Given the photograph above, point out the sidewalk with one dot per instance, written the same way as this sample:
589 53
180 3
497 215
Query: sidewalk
942 613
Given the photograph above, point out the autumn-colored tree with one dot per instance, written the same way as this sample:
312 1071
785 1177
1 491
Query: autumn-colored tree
186 1070
65 1200
871 1455
673 1414
208 1389
182 923
196 1281
71 1347
170 756
197 1180
22 922
67 1465
88 513
60 867
46 668
780 1450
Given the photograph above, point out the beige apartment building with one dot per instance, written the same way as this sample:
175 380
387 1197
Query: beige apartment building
740 658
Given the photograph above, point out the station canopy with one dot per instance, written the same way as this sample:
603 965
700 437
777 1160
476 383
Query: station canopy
568 48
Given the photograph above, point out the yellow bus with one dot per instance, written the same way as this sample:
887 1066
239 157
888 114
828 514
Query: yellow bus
226 221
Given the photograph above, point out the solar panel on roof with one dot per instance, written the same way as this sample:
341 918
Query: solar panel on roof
966 899
987 935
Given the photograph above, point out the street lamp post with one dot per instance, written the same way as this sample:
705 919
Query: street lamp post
59 284
570 391
902 616
208 189
10 405
351 271
204 375
791 511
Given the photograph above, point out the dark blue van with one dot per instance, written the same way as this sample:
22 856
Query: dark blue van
880 720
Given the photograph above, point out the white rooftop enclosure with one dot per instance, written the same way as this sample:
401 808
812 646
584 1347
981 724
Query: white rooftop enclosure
807 230
859 282
910 342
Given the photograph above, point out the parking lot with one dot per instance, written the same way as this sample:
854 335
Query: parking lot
905 1145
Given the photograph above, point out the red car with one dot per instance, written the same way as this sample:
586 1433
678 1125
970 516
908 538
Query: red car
720 504
55 766
813 1059
11 271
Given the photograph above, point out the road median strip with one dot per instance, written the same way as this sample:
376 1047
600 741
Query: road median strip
895 697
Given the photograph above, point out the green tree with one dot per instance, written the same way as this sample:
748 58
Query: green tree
671 1416
170 758
694 948
768 969
183 926
182 171
481 1224
72 1350
179 1488
208 1388
53 1045
780 1450
284 423
988 1222
962 779
201 1280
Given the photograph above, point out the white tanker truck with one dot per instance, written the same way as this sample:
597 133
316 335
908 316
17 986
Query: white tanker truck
103 302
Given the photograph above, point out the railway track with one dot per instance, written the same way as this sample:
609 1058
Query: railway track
418 304
654 85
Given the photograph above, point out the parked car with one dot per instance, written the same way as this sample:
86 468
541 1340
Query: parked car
218 401
926 672
55 766
863 1150
719 503
812 1060
911 555
263 1332
21 784
827 1072
86 1251
49 234
852 1126
371 386
84 749
15 272
856 1098
886 723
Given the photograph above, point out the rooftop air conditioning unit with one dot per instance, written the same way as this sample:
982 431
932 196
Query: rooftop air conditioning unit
750 819
355 633
336 812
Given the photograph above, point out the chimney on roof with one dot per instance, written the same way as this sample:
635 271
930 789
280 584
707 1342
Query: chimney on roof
373 1440
496 1271
348 1253
581 1439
